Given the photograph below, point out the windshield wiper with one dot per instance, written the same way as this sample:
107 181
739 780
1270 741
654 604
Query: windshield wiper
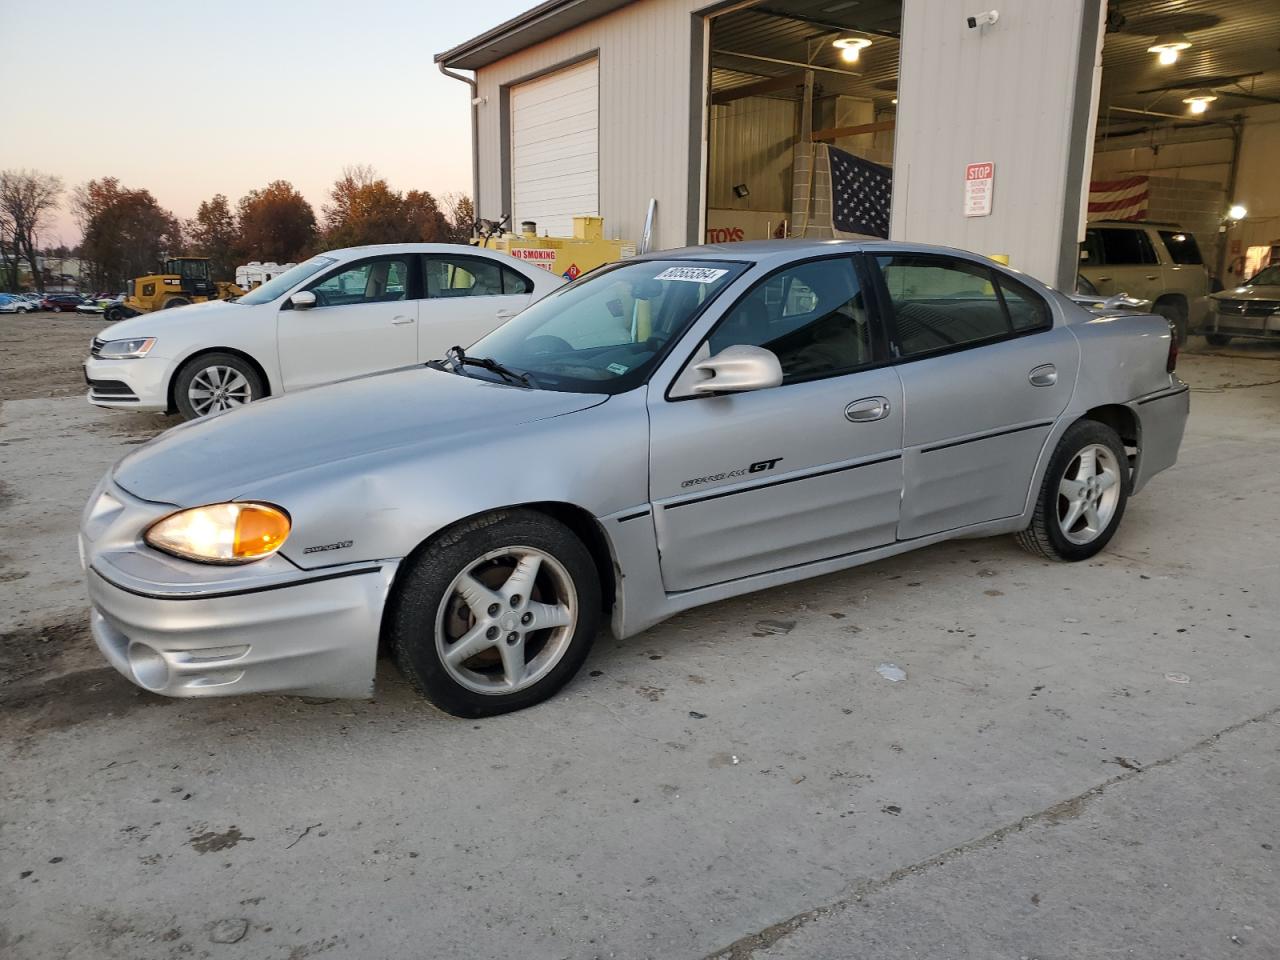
460 359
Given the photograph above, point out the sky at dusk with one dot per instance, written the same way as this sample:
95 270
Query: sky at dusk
226 96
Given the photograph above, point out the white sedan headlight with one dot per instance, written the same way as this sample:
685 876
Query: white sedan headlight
127 349
221 532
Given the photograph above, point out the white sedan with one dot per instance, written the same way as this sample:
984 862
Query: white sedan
340 314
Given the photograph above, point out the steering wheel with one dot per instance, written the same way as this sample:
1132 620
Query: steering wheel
548 343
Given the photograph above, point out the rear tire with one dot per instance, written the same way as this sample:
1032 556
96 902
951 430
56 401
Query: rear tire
1217 339
463 624
1082 497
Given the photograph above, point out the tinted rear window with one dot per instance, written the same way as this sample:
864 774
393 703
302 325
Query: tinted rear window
1118 247
1182 247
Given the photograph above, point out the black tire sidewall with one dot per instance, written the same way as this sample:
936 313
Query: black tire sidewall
428 574
1079 435
187 373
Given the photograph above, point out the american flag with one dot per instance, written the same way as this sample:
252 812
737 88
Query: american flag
860 192
1119 199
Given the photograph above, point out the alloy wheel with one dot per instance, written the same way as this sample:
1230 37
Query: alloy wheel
506 620
1088 494
218 388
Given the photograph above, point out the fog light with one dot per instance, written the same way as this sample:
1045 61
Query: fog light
149 668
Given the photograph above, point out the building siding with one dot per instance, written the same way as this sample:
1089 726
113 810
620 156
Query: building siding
1004 94
645 54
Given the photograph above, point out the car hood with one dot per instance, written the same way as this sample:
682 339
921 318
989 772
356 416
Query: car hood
154 324
1249 292
218 458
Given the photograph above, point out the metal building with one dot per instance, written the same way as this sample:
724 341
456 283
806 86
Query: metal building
728 114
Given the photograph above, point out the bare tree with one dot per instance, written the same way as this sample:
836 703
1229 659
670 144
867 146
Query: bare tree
461 215
27 197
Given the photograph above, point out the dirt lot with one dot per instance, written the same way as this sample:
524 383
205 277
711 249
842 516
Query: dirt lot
43 352
1081 762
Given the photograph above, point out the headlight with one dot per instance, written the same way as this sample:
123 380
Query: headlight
221 532
127 349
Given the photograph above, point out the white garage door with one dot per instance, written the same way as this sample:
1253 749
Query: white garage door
555 149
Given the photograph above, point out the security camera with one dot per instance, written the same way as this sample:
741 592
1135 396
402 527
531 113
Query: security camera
983 19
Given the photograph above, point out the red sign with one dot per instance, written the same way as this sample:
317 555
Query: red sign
543 257
979 184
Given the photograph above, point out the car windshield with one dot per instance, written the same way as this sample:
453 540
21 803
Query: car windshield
1267 277
286 281
607 331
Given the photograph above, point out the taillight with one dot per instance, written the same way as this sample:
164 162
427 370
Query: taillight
1172 363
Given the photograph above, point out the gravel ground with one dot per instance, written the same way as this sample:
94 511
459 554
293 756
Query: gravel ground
43 352
1081 761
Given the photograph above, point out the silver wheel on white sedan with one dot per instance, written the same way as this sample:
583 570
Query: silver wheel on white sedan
218 388
506 620
1088 494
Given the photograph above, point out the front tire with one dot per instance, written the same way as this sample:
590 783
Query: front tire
176 302
215 383
496 615
1082 497
1217 339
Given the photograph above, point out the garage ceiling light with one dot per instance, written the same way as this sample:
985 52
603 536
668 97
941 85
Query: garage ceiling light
851 47
1200 100
1169 46
1237 212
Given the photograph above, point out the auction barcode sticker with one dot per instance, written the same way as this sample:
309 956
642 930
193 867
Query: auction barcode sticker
691 274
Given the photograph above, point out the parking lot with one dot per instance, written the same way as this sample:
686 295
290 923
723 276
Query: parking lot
1080 762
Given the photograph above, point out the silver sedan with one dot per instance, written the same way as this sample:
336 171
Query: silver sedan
668 431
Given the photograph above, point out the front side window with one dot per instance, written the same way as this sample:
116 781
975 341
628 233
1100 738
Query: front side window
812 316
941 303
381 280
606 332
449 277
1182 247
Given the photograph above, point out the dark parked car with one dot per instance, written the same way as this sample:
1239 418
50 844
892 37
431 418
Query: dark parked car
61 302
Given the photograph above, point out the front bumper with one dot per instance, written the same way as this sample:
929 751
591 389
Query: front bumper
186 629
1257 323
139 384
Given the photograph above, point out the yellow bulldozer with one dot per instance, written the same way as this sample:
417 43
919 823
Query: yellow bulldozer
181 280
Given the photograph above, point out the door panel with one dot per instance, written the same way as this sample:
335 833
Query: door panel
466 298
974 426
984 377
363 322
747 483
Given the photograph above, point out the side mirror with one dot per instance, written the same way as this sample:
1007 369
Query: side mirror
738 369
303 300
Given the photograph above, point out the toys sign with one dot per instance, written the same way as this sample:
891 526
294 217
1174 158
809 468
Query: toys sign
979 184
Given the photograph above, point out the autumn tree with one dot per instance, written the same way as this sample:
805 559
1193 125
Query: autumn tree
126 232
276 223
213 233
27 197
460 213
364 209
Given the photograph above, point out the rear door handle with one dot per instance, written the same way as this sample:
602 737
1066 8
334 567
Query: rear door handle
401 320
867 410
1045 375
1149 277
506 314
1104 279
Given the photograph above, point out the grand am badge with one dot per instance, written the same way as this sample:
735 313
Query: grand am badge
325 548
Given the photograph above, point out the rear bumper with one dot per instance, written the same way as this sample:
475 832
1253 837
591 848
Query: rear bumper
1163 418
317 635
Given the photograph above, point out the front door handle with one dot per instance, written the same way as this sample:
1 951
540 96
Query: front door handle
506 314
867 410
1149 277
400 321
1045 375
